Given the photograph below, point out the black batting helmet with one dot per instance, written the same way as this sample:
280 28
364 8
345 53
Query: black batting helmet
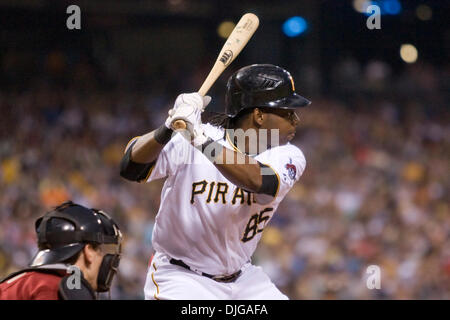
261 85
64 231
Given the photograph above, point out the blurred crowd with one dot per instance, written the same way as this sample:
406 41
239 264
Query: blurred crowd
375 190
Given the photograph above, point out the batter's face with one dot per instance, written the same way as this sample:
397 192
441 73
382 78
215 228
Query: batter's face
285 120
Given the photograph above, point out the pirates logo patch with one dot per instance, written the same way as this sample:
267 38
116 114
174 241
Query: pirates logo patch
291 170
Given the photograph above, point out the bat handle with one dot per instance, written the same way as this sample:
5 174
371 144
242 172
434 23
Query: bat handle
204 89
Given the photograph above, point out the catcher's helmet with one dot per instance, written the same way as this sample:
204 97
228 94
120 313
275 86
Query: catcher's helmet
64 231
261 85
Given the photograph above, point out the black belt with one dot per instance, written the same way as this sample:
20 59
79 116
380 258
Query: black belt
227 278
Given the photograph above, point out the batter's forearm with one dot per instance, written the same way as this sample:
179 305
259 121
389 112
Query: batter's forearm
242 170
146 149
141 154
247 177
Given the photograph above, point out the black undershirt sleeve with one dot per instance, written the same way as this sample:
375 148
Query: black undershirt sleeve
270 182
131 170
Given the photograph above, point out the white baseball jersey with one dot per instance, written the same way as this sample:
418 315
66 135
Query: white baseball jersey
206 221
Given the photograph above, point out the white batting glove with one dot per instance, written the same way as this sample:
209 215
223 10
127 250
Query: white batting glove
188 107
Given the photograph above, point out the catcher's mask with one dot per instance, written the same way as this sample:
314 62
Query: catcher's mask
63 233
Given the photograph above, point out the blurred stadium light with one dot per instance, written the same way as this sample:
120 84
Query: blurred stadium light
392 7
389 7
225 28
361 5
408 53
424 12
294 26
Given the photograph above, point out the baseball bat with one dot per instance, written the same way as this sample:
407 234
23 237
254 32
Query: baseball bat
236 41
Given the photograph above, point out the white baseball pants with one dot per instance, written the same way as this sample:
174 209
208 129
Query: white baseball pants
166 281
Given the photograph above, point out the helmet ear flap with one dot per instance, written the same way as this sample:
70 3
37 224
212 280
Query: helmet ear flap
106 272
37 223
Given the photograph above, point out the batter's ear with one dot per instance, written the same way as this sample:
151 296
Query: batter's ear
258 116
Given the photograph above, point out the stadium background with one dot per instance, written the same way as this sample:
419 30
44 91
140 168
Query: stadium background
376 138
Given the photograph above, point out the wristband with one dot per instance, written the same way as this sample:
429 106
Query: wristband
163 135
